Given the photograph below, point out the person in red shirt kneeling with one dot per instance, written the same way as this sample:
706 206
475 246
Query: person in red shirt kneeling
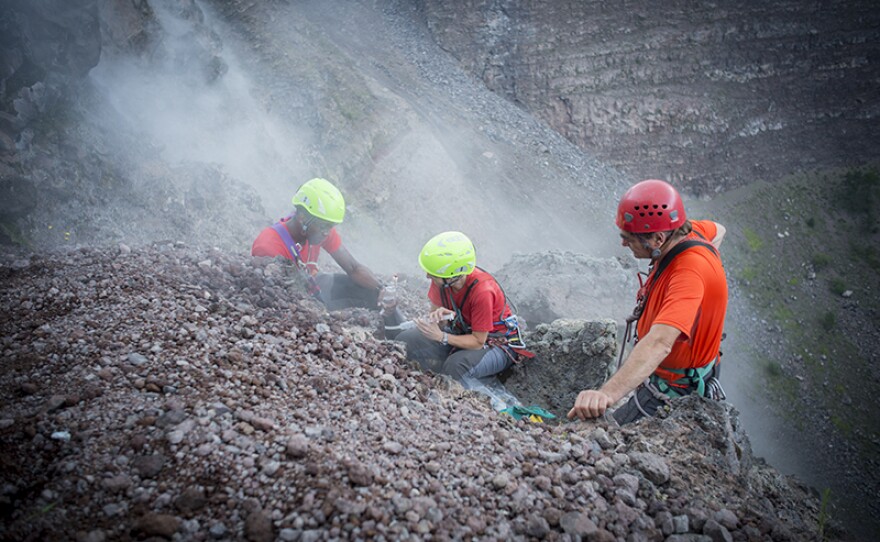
467 333
318 208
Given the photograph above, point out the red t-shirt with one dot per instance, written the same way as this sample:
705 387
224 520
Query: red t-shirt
691 296
483 306
269 243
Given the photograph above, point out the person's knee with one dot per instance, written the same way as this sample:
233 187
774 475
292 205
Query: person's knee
453 367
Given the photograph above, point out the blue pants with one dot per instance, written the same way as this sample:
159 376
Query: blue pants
460 364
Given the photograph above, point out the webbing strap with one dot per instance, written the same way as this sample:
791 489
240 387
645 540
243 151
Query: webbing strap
692 378
291 246
281 229
459 319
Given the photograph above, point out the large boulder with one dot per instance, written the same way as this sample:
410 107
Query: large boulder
555 284
570 356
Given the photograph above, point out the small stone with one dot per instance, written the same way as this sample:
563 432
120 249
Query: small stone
271 467
258 527
651 465
263 424
297 446
148 466
726 518
716 531
96 535
28 388
190 500
217 530
157 525
137 359
501 480
117 483
54 403
577 524
392 447
537 527
680 524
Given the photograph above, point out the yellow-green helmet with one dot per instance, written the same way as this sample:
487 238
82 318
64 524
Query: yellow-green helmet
322 200
449 254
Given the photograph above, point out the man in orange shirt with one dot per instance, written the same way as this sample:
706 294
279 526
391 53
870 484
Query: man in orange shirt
319 207
680 311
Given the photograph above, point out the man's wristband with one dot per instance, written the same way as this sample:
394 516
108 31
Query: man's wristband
444 340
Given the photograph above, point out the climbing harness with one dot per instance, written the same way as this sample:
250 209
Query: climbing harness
703 380
510 341
294 249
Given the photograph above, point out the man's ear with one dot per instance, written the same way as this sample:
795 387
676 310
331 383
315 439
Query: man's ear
661 237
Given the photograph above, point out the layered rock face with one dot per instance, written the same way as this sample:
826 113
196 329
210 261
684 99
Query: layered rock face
710 95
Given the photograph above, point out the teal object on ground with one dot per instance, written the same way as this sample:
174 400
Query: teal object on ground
520 412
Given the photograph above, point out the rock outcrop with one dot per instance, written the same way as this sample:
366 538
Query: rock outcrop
710 96
554 284
570 356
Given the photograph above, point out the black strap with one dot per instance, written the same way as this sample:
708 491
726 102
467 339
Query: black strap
662 265
459 319
678 249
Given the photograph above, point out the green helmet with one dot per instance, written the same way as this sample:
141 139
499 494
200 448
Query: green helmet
449 254
322 200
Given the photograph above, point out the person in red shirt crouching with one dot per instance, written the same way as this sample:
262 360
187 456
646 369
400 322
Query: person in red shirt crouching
470 333
680 308
318 208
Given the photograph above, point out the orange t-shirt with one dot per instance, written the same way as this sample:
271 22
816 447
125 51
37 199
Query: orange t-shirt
691 296
269 243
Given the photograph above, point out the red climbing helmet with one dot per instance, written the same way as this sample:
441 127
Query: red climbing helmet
650 206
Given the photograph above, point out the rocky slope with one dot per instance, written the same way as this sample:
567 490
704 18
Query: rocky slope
190 121
207 398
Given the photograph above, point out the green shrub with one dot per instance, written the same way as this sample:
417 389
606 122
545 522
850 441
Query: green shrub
824 514
811 222
748 273
820 261
837 286
755 243
828 321
773 369
867 254
859 194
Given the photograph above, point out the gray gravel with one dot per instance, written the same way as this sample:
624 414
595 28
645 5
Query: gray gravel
307 428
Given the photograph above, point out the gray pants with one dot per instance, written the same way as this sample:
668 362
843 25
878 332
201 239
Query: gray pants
461 364
630 412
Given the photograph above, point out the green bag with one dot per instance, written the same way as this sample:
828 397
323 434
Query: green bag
532 413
